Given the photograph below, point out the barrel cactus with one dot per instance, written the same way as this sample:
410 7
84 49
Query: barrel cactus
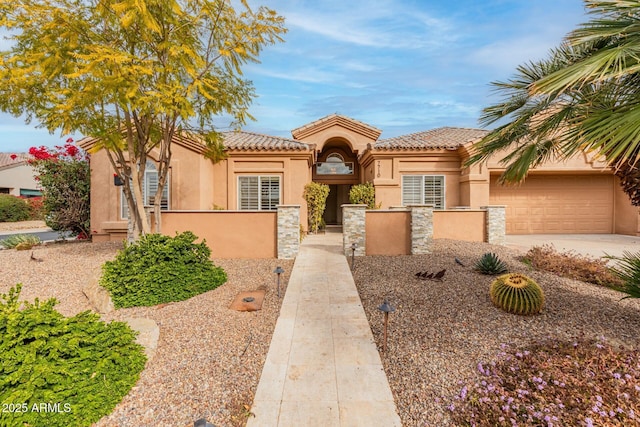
516 293
489 263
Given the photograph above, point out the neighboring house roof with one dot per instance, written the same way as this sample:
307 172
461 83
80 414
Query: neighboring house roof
448 138
6 160
240 140
333 120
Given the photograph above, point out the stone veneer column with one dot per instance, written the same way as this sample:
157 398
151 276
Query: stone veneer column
496 224
353 228
288 231
421 229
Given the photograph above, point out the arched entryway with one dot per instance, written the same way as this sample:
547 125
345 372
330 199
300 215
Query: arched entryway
337 166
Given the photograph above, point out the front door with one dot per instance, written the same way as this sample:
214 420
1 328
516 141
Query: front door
338 196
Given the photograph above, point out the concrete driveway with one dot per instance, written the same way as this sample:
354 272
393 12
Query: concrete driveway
594 245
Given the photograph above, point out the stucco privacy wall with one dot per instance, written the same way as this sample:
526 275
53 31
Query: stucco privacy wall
410 231
468 225
388 232
229 234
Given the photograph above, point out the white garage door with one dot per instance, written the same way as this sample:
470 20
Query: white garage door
552 204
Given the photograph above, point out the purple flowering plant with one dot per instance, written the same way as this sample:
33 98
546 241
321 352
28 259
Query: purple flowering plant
578 383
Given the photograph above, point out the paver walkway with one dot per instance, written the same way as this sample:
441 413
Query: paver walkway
323 368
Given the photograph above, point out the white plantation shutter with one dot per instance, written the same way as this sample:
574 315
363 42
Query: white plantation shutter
249 194
270 193
423 190
434 191
412 190
149 187
258 192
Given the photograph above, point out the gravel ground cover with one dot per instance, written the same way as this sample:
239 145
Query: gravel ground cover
441 330
21 225
209 358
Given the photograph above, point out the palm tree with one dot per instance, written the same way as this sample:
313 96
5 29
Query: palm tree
585 96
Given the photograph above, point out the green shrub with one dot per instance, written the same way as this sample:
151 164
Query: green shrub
158 269
13 209
363 194
18 239
79 367
315 194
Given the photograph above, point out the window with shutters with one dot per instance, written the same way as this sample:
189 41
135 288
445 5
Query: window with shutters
423 190
258 193
149 188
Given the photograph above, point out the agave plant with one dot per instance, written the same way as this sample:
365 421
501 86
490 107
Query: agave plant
516 293
489 263
627 269
20 239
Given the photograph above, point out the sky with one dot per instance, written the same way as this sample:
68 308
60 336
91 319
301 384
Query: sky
402 66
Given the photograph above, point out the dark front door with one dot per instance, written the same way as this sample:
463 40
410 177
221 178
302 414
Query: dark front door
338 196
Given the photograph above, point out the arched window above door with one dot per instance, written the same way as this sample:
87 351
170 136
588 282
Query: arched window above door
334 165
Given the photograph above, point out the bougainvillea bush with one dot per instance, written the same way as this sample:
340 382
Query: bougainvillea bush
64 176
578 383
157 269
61 371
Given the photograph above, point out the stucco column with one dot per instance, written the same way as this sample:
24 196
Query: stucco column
496 224
421 229
288 231
353 228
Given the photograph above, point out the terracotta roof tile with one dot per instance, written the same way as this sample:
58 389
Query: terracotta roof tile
333 119
448 138
6 160
241 140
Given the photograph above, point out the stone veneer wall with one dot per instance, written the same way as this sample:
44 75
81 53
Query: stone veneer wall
496 224
353 228
421 229
288 231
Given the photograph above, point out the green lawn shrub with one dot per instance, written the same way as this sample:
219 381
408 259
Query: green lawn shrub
158 269
61 371
13 209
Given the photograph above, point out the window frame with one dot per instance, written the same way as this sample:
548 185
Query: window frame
423 177
150 169
260 203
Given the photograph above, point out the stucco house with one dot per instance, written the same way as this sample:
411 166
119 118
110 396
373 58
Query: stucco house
261 172
16 176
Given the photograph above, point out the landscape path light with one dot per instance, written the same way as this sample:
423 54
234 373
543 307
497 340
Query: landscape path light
386 308
279 270
354 246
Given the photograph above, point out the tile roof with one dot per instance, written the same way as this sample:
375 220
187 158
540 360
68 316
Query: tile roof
249 141
448 138
6 160
336 119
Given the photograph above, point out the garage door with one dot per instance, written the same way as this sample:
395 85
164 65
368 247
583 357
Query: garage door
557 204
